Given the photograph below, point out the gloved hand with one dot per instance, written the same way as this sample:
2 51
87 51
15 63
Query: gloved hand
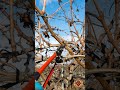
38 86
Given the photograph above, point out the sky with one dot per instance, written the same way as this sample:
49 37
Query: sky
60 22
52 6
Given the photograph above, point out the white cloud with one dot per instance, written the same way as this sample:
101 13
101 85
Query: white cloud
68 38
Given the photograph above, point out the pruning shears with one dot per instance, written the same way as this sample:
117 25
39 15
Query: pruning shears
30 85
